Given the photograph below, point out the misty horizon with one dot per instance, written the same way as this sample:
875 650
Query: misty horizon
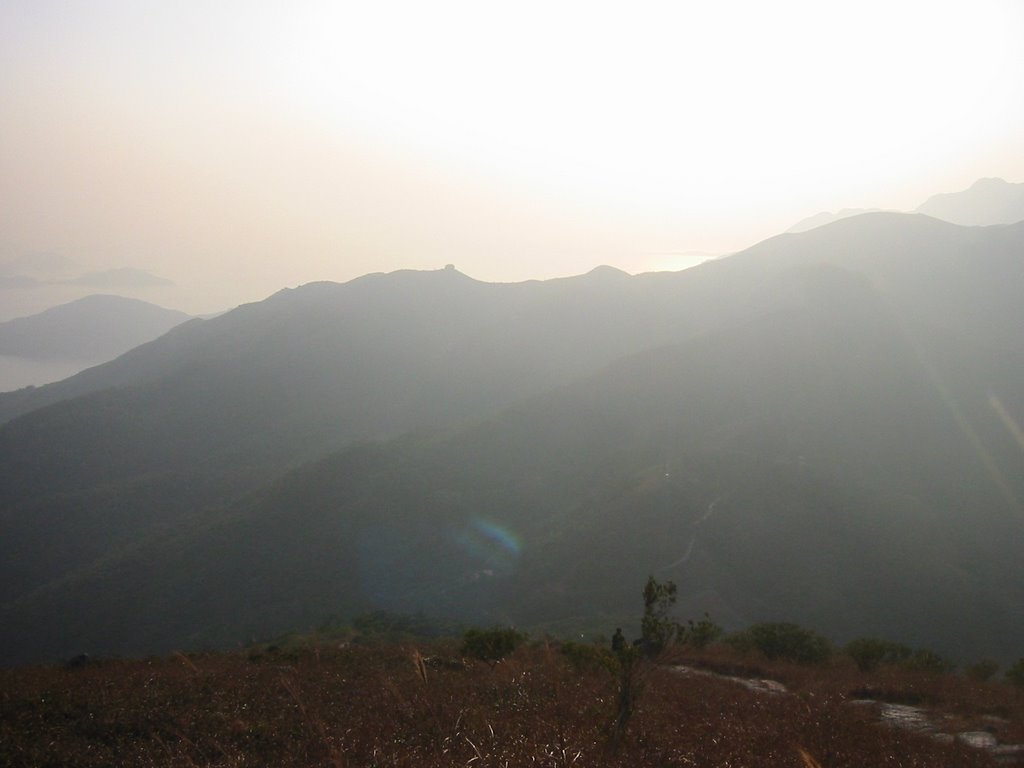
32 282
234 151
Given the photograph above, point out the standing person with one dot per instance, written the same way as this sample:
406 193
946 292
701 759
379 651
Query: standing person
618 640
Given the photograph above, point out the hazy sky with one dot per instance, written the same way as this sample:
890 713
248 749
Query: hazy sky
248 146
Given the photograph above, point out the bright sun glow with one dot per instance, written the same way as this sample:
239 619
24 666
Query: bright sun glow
269 144
664 102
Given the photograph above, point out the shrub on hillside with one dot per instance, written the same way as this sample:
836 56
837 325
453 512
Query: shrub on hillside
924 660
982 670
1015 674
491 645
870 652
701 634
784 641
656 628
626 666
584 657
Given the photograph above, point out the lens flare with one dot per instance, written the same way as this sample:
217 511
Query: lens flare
1008 421
503 537
495 546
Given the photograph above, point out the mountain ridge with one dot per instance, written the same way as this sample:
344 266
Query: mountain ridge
95 327
506 451
77 335
610 477
987 202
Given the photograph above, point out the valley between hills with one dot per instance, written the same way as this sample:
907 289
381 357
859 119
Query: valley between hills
823 428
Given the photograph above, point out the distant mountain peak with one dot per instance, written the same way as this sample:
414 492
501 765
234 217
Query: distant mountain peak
448 271
65 339
991 182
606 272
607 269
792 386
987 202
827 217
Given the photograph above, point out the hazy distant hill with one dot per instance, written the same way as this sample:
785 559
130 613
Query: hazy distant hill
387 353
960 279
827 217
33 282
79 334
804 465
93 328
986 202
812 429
473 340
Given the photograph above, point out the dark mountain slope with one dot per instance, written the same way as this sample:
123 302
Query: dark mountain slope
156 449
544 333
963 279
816 463
307 370
316 367
218 406
406 331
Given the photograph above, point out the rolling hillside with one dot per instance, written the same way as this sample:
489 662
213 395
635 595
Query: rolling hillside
77 335
814 429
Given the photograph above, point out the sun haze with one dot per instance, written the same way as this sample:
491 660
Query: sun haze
236 148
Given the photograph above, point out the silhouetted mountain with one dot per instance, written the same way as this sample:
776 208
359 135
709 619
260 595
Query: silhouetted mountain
65 339
961 279
95 328
544 333
987 202
387 353
827 217
214 407
814 429
814 464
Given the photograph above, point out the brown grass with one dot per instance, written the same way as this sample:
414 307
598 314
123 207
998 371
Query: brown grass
371 707
958 702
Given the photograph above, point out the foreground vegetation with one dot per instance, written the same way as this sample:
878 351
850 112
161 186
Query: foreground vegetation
427 705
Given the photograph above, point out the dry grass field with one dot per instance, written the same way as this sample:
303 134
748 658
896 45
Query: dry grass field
377 706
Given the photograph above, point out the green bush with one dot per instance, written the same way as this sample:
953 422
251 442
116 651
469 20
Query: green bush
740 642
870 652
585 657
867 652
1015 674
982 670
656 628
491 645
702 633
924 660
789 641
